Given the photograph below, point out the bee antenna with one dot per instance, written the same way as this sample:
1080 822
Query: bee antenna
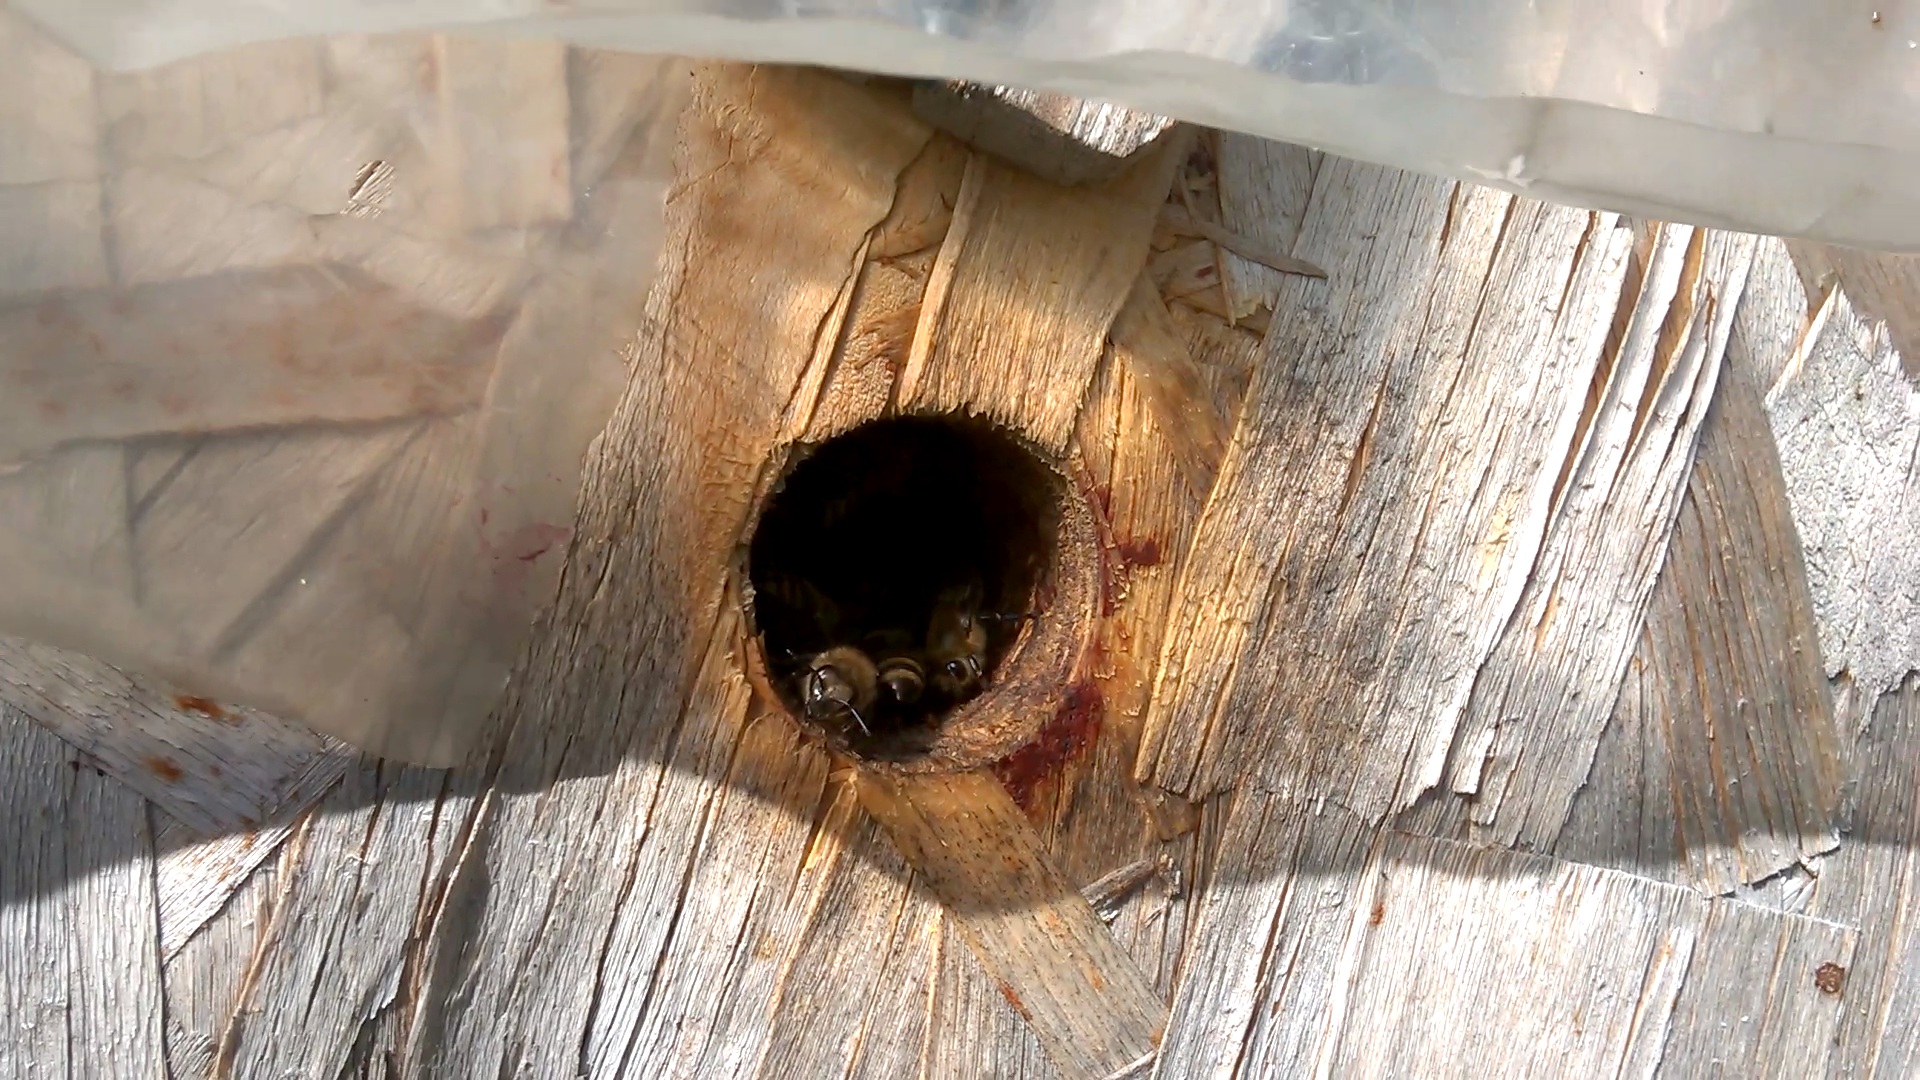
858 719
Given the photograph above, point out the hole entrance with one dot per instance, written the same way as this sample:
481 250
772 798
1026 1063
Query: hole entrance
900 573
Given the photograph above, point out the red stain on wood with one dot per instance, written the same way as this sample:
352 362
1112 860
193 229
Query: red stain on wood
1013 999
1136 553
164 768
1379 913
204 706
1118 557
1075 724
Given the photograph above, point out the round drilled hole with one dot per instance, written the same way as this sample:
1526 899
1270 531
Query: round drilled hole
917 590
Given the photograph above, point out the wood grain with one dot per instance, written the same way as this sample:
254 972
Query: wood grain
1882 286
1370 519
1549 680
1722 764
1870 883
613 745
204 975
360 870
1048 952
1843 414
1028 280
1263 191
1483 414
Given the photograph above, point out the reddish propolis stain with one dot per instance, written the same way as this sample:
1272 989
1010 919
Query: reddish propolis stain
1379 913
1075 724
1013 999
1831 978
204 706
164 768
1118 557
1136 553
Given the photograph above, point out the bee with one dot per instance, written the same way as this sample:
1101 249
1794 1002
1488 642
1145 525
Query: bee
957 640
901 672
841 680
903 679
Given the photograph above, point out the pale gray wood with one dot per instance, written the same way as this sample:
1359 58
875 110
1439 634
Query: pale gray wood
359 873
1550 681
1843 414
1387 492
196 876
1262 971
1882 286
215 768
1264 188
1871 883
203 978
1722 763
1753 1003
80 990
1524 965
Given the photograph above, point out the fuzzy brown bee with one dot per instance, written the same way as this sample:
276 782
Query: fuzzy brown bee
957 643
840 681
903 679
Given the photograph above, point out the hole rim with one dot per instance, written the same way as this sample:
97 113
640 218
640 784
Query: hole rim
1033 674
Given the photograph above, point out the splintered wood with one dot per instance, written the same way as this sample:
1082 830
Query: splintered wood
1364 522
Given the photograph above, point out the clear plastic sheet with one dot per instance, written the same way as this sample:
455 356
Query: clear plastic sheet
309 311
1776 116
302 345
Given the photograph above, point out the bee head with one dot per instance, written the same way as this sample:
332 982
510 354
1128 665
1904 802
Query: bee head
826 689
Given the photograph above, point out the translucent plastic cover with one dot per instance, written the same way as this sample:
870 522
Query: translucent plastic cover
302 345
1777 116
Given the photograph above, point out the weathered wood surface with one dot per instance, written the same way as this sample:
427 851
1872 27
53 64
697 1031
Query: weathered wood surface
1460 522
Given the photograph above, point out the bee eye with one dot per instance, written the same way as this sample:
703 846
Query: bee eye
957 669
